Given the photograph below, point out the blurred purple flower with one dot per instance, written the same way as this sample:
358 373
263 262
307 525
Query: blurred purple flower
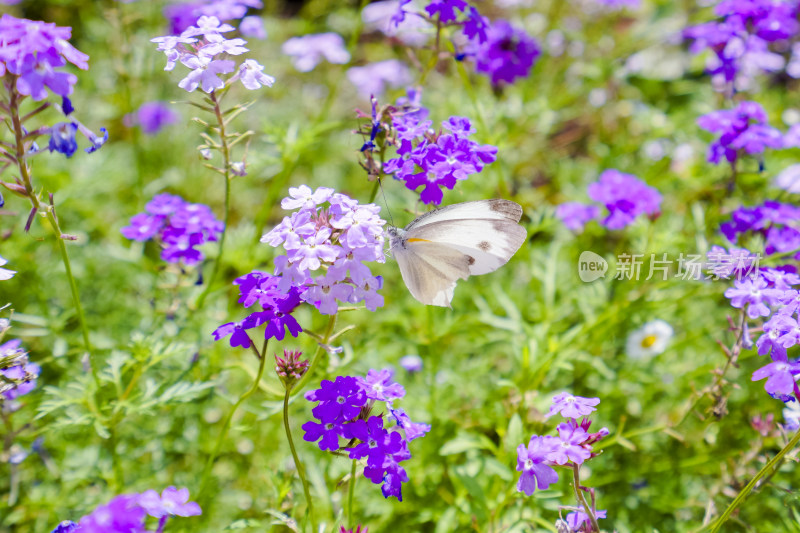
120 514
625 196
372 79
308 50
575 215
253 26
172 502
154 116
507 54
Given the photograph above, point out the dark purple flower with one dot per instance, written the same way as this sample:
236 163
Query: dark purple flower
446 9
507 54
376 442
741 130
339 401
155 116
62 138
67 526
237 331
625 196
328 432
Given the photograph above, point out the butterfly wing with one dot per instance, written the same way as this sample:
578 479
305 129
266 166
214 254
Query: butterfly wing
430 271
497 209
488 240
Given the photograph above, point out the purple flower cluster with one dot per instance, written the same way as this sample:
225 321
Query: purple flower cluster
372 79
19 374
152 117
506 52
573 445
203 49
33 52
332 233
307 51
180 227
434 160
182 14
741 130
343 411
740 40
775 222
127 512
624 196
276 302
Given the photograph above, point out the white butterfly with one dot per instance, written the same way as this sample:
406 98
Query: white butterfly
455 242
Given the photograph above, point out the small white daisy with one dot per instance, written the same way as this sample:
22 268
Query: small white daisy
649 340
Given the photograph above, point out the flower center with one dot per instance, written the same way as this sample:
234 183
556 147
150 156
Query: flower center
649 341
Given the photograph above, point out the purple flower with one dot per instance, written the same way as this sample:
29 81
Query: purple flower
307 51
376 442
577 519
253 26
411 363
789 178
143 227
446 9
625 196
205 72
508 53
780 375
753 293
172 502
378 385
120 514
62 138
154 116
741 130
20 374
67 526
413 430
339 401
5 274
328 432
575 215
570 445
532 462
570 406
373 79
237 332
251 72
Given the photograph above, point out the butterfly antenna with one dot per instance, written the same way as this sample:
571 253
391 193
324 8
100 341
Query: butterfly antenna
380 184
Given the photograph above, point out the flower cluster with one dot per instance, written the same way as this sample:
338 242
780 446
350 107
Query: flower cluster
203 49
180 227
741 39
33 52
429 159
128 512
344 411
307 51
624 196
332 233
18 373
181 14
775 222
571 447
741 130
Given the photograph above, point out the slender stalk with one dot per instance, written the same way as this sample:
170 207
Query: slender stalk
226 165
25 176
227 423
350 491
767 469
317 356
576 482
297 463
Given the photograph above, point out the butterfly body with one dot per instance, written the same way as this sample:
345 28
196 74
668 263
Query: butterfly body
455 242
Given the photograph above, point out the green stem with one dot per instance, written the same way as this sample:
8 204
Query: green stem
297 463
714 527
350 491
576 482
227 423
226 164
317 357
24 171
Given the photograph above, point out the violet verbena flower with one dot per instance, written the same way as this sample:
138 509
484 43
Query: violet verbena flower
5 274
253 26
180 227
576 215
774 221
152 117
532 461
333 231
625 196
122 513
508 53
741 130
577 519
202 48
411 363
183 14
378 385
344 411
19 373
307 51
35 52
434 160
570 406
277 306
171 502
